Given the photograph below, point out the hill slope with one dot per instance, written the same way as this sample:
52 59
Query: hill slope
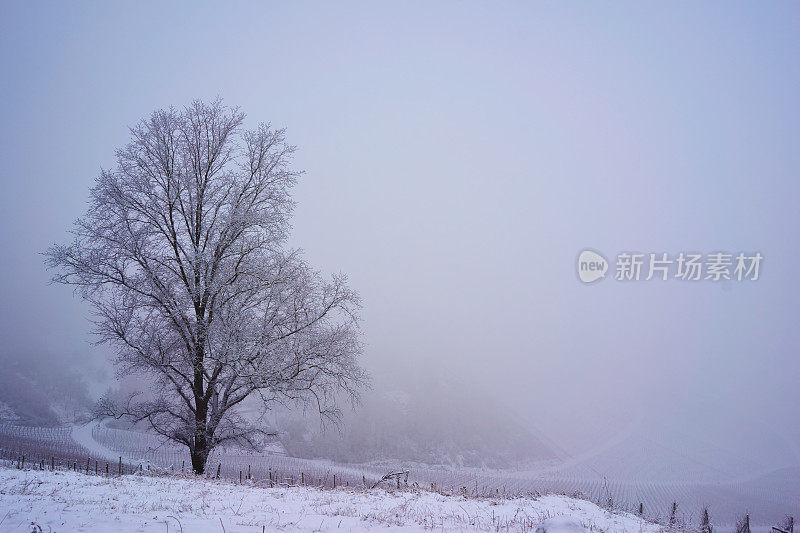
68 501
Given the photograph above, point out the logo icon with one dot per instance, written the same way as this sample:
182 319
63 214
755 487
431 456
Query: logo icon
591 266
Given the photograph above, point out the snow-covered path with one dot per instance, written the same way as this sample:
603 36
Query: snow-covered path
83 436
69 501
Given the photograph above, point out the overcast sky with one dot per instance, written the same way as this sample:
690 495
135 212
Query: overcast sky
458 156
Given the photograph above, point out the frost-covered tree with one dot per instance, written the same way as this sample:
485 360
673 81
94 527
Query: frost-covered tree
705 522
182 255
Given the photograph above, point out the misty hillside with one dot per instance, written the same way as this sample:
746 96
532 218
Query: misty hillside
36 390
434 422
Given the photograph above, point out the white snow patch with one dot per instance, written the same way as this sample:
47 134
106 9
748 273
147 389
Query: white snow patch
83 436
560 524
69 501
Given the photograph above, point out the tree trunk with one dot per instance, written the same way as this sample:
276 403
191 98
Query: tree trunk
201 448
199 454
200 451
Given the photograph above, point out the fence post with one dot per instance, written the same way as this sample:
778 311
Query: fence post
120 465
88 462
334 481
219 467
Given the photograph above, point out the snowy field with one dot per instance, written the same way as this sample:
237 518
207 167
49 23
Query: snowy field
635 473
68 501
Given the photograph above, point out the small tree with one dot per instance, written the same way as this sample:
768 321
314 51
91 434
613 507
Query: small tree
705 524
182 256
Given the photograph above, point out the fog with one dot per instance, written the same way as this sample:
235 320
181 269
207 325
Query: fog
457 158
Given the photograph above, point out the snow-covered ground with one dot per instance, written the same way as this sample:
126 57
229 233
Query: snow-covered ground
83 436
68 501
629 471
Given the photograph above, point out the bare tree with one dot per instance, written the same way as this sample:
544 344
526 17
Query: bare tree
705 522
182 255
